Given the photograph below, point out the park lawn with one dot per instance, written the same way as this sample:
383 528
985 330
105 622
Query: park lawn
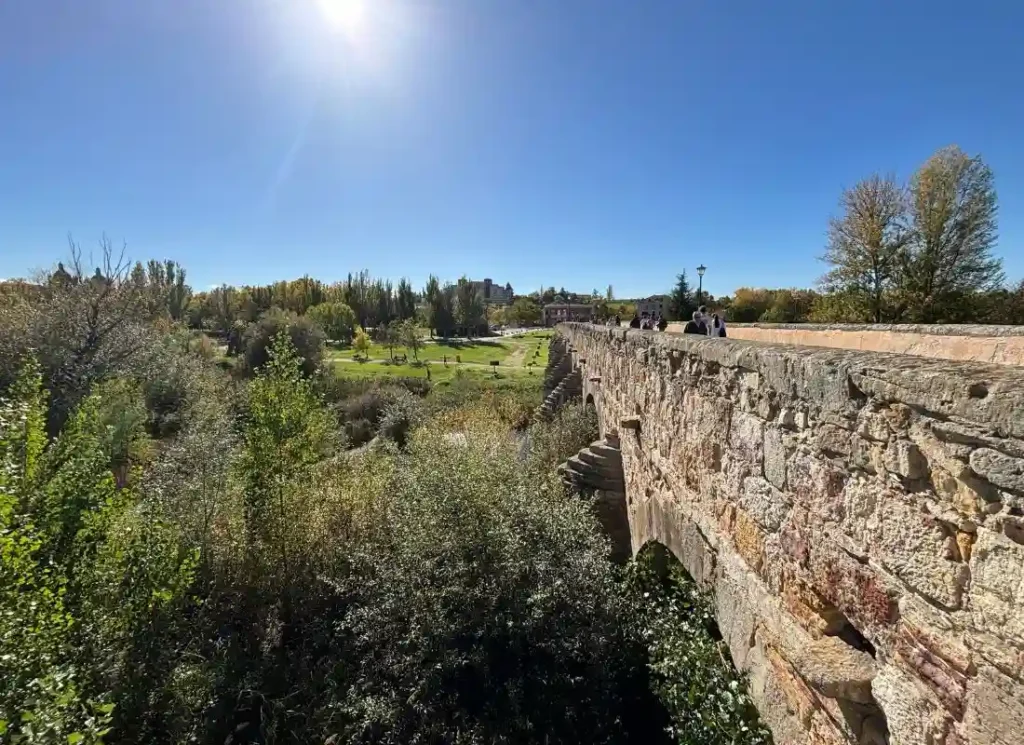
439 374
479 351
537 348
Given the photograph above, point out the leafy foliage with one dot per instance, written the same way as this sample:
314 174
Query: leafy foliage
706 701
336 319
305 336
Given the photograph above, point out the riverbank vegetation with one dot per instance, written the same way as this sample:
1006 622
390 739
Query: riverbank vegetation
271 553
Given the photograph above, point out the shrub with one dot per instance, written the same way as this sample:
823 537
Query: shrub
484 606
705 698
573 428
336 319
304 335
83 574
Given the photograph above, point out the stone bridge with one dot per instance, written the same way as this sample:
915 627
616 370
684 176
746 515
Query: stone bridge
858 517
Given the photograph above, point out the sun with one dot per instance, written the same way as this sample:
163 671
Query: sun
346 17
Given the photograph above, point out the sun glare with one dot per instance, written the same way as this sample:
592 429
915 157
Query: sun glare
346 17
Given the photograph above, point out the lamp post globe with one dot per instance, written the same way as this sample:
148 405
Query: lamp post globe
700 281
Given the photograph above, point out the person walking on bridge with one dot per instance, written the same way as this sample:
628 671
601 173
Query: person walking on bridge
695 325
717 326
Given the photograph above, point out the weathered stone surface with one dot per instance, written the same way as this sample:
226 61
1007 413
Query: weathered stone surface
995 710
1002 470
837 670
904 457
774 457
851 512
997 586
913 715
766 504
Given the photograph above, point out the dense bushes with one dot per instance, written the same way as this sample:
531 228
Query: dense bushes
705 700
190 559
306 337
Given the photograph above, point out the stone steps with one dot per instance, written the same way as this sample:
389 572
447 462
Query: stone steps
570 387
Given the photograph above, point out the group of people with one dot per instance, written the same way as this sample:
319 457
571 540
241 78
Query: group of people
702 323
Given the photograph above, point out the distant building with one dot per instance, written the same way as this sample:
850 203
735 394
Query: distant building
560 312
493 294
655 305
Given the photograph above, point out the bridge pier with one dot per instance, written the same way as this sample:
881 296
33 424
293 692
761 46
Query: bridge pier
563 380
595 473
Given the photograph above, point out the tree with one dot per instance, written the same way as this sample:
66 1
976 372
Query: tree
609 295
866 244
681 303
440 310
336 319
409 334
496 315
306 338
524 311
953 212
469 307
406 300
287 430
361 344
390 336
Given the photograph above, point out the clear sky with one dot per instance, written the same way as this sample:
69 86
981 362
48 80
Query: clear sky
565 142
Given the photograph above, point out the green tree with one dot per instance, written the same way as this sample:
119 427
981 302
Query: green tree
469 307
440 300
681 303
307 338
524 311
409 334
336 319
85 570
867 243
287 430
953 210
406 300
361 344
390 335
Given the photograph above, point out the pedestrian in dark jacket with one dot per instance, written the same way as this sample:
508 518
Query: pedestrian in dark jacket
635 323
662 324
695 325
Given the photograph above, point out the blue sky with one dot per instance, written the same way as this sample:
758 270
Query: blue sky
575 143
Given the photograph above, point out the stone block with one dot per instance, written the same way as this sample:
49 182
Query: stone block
913 715
997 586
749 540
905 539
774 457
746 439
762 501
873 425
859 592
904 458
836 670
833 440
1002 470
995 709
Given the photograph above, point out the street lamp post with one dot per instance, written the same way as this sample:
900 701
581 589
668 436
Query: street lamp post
700 281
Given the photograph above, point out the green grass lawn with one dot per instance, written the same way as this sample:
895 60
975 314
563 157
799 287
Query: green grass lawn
481 352
439 374
518 357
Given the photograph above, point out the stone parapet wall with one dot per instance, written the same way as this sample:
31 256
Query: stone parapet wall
859 518
1003 345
